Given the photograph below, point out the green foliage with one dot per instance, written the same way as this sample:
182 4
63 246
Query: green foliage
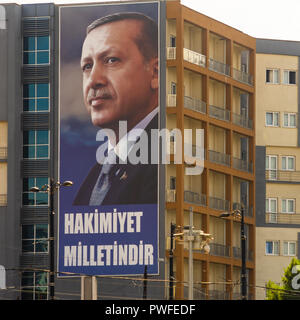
286 291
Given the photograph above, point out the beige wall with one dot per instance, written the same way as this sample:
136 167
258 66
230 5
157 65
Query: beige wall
3 134
217 93
192 85
216 185
276 98
170 30
3 178
217 48
285 151
217 139
270 267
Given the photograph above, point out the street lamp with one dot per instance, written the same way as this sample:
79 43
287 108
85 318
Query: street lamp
240 214
51 188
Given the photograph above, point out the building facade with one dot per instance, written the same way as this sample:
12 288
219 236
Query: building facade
277 159
209 84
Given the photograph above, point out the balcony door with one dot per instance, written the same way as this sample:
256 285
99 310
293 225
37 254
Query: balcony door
271 167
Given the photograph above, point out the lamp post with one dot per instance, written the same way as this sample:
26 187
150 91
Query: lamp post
171 272
240 214
51 188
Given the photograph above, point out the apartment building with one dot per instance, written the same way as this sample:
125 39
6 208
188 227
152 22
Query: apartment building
277 159
211 86
208 83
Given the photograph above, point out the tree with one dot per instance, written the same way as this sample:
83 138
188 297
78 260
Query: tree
290 289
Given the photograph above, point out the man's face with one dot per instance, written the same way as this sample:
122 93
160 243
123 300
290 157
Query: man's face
117 82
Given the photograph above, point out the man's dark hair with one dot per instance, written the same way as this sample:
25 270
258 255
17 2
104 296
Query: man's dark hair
148 38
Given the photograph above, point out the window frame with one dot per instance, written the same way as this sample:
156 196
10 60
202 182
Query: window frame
36 51
273 242
288 254
36 145
36 98
35 241
288 72
287 206
271 70
32 287
287 162
35 194
278 119
289 114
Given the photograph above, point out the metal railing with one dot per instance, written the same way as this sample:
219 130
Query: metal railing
195 198
219 67
242 165
3 200
219 204
242 76
218 157
3 153
242 121
219 113
194 104
170 195
283 175
171 53
217 249
194 57
218 295
285 218
171 100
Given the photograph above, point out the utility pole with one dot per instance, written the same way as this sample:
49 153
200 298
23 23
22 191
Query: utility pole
243 247
51 239
145 284
191 269
171 273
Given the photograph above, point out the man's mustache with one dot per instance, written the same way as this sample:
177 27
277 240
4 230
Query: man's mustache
100 93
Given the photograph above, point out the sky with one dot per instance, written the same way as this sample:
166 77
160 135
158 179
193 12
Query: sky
270 19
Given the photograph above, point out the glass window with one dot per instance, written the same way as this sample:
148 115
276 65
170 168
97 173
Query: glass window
34 285
272 119
289 120
288 205
36 50
272 76
36 144
35 238
35 198
288 163
289 77
272 247
289 248
36 97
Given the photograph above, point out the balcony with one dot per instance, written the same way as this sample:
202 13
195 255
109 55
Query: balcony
171 53
3 200
219 67
283 175
218 295
242 165
217 249
195 198
218 157
284 218
195 104
3 153
219 113
170 195
242 76
194 57
242 121
219 204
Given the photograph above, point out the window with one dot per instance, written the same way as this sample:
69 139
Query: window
289 77
173 183
289 248
172 41
272 248
272 119
34 285
271 209
288 205
288 163
35 238
36 97
271 167
36 144
35 198
272 76
36 50
289 120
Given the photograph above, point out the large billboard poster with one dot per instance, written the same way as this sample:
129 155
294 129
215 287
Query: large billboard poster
108 107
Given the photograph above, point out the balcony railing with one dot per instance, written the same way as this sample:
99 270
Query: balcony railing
219 204
195 198
237 253
284 218
194 104
242 121
243 165
242 76
218 295
171 53
219 113
194 57
3 153
248 211
218 157
3 200
219 67
283 175
217 249
171 100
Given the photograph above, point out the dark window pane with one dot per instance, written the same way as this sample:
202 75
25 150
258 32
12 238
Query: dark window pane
42 137
29 104
42 90
42 152
42 43
28 183
27 246
41 231
292 77
29 90
28 199
27 278
27 294
40 293
42 104
29 43
27 231
41 246
29 137
41 279
41 198
29 58
29 152
41 181
42 57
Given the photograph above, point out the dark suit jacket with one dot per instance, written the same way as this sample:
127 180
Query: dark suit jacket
134 184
